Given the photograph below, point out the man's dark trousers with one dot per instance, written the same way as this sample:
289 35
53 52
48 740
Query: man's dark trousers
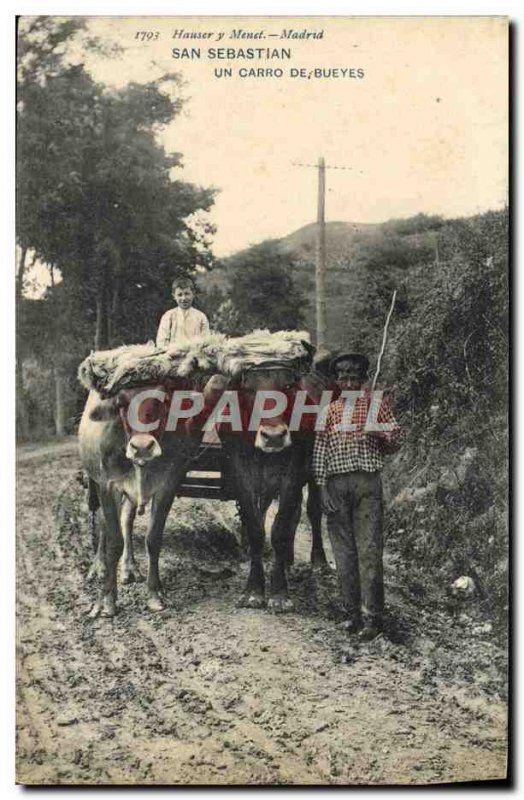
356 534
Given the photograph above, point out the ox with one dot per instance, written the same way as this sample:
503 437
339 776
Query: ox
128 468
267 462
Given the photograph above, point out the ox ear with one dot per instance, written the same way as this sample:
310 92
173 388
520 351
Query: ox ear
121 400
310 348
104 410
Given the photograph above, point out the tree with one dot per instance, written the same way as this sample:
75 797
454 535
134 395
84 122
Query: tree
262 291
96 196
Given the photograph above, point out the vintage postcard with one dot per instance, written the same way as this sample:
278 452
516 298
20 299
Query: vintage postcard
262 400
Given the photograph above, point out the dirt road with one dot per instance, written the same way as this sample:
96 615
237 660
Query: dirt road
205 693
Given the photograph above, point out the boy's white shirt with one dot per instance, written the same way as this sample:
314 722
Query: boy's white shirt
178 326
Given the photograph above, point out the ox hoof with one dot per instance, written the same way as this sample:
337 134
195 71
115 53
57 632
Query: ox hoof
129 573
320 565
108 608
280 605
97 571
95 611
103 608
155 602
252 600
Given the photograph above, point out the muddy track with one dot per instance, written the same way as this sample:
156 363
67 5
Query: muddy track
205 693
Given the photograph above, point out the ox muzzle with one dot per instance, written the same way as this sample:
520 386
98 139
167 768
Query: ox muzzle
142 448
273 438
143 409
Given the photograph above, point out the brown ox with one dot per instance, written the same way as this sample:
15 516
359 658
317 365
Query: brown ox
130 467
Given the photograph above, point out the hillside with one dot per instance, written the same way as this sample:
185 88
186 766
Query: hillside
395 246
343 273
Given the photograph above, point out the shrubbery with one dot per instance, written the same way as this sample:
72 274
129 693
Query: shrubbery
450 368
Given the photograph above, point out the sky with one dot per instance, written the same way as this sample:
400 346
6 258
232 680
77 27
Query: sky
425 129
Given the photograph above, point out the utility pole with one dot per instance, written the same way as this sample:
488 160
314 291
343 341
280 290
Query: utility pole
320 267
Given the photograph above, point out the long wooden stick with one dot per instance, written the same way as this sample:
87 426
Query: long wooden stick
384 340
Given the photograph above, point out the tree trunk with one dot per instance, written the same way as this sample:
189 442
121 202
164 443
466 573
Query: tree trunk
21 407
57 375
113 314
104 266
102 327
20 275
22 418
59 403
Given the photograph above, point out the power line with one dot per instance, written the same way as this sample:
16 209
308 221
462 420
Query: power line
326 166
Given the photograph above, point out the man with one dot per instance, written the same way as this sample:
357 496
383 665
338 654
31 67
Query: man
183 323
347 465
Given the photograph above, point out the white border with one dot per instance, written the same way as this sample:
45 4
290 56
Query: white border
197 7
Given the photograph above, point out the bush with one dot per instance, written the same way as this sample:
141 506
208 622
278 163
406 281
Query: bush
450 367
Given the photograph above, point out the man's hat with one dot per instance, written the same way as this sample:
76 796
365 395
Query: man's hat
361 359
323 357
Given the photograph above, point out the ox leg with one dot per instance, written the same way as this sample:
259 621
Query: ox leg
281 540
254 593
281 533
244 537
93 504
161 505
293 525
129 572
96 533
314 512
112 546
97 570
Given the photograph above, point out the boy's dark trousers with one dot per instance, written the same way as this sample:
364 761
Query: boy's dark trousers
355 531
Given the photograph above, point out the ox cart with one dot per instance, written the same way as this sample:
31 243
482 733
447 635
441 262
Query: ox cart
208 477
129 466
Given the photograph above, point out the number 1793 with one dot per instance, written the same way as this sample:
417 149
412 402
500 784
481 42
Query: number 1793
146 36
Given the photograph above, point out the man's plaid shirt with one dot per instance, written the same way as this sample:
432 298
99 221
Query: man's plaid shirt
337 452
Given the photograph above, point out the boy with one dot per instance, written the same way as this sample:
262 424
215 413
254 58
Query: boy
183 323
347 465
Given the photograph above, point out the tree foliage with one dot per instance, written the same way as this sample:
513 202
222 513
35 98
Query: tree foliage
261 291
450 367
96 193
452 350
98 199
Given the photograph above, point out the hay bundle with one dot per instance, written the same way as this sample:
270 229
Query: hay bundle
259 347
131 366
